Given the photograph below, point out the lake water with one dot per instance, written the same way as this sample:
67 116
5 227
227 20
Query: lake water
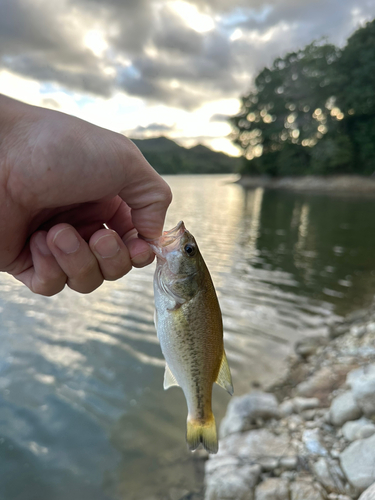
83 414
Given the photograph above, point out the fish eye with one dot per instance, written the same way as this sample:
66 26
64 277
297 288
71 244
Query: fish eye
190 250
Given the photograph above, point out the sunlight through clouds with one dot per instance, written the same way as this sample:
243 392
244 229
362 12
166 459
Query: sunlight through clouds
192 17
95 41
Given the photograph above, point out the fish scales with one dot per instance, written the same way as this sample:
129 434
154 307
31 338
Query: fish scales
190 330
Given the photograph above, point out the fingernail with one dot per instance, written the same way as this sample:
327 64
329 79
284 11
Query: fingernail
66 241
107 246
142 258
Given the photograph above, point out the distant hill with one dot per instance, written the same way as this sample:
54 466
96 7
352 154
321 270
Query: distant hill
167 157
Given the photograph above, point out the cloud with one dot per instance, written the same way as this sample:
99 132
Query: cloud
153 128
48 102
152 51
217 117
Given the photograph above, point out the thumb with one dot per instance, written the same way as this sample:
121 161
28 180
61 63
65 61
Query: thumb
147 194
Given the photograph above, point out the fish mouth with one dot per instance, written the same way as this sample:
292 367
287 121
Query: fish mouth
167 239
170 236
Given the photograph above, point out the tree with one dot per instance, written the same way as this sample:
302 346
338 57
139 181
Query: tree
356 95
286 109
313 111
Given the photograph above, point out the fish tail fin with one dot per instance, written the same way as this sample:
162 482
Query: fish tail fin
204 432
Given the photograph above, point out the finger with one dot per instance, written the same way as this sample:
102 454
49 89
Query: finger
140 252
147 194
75 258
48 278
44 276
85 215
111 253
121 221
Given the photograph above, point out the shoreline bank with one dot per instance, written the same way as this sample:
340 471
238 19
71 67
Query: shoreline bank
335 184
312 435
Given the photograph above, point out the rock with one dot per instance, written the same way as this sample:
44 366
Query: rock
323 382
330 475
358 462
254 445
303 490
312 440
362 382
366 431
363 371
286 408
289 475
358 330
289 463
368 494
245 410
344 408
309 346
273 489
268 463
308 414
358 429
214 465
301 404
338 330
294 422
230 483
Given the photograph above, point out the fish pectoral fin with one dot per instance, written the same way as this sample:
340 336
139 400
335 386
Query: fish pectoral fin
169 378
224 379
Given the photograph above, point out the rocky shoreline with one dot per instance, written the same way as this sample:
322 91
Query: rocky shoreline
333 184
311 436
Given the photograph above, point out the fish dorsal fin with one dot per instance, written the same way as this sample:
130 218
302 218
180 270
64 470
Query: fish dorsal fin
169 378
224 379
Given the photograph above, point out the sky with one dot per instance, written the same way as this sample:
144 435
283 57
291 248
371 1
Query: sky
158 67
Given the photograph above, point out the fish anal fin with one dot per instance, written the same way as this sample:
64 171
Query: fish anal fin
169 378
224 378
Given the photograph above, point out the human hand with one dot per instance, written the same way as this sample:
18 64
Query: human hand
61 180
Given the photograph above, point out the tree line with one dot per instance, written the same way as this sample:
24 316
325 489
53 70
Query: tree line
312 111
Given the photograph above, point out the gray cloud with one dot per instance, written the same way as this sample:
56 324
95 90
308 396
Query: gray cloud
170 63
173 35
154 127
218 117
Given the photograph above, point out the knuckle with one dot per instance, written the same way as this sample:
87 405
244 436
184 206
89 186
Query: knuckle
114 274
84 287
87 271
167 193
47 289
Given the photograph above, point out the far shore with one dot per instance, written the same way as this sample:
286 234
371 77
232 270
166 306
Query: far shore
340 184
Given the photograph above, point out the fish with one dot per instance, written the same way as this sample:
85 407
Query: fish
190 331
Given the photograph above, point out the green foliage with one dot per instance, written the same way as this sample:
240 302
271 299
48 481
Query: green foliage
312 112
357 71
167 157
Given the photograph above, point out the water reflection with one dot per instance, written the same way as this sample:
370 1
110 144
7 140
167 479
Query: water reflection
82 407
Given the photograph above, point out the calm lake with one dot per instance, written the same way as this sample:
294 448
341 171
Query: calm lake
83 414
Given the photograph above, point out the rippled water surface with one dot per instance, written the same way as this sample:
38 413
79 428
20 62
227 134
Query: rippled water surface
83 414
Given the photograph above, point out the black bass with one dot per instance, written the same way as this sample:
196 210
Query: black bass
190 330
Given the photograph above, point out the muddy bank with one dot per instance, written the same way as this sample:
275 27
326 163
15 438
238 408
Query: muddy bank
340 184
311 436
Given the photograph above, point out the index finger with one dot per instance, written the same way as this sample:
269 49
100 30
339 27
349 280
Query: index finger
148 196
